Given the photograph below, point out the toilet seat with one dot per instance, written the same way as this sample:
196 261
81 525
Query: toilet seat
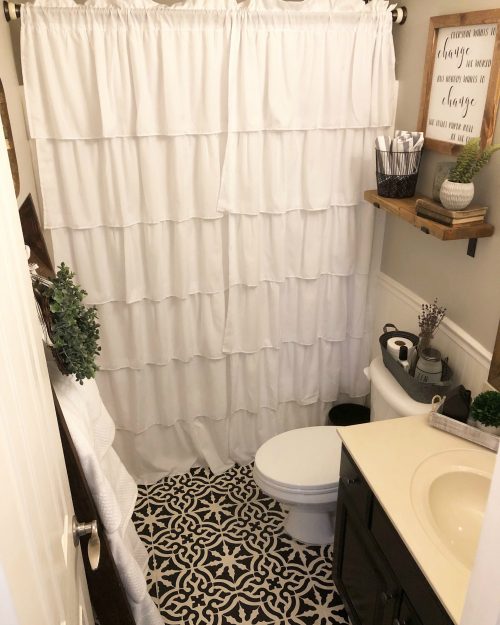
303 461
293 489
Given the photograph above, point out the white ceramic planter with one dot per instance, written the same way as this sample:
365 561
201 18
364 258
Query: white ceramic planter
491 429
456 195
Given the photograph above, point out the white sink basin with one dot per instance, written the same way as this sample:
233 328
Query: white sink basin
449 492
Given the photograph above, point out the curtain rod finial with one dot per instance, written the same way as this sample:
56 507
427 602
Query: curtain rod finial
11 10
399 15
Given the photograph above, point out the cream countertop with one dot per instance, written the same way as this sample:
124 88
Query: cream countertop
387 454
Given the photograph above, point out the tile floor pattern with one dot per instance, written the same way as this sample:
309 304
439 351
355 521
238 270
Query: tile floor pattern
219 556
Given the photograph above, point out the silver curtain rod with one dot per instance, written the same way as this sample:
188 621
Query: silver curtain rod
12 11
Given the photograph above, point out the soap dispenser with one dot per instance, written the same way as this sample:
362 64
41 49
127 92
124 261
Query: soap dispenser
403 358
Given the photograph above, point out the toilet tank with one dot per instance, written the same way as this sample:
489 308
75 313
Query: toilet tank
388 398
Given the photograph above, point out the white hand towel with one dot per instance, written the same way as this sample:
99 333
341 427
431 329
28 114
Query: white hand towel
389 161
113 489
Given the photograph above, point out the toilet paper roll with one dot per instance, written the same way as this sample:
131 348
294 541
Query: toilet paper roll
395 343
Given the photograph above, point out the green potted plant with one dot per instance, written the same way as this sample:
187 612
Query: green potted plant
485 412
457 190
72 326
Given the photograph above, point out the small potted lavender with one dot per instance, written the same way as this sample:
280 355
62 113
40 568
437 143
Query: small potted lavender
428 321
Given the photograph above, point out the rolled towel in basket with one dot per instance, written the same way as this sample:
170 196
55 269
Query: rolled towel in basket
403 141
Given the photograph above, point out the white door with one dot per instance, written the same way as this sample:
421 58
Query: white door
42 581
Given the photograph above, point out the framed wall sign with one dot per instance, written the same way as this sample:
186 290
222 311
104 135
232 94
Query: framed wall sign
461 85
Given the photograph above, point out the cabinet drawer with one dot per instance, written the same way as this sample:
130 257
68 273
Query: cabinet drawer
355 486
408 573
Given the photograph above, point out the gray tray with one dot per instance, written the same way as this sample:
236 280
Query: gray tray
419 391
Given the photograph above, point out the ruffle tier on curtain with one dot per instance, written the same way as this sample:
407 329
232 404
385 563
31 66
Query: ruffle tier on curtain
202 172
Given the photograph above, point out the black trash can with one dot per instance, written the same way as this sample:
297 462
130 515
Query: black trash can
349 414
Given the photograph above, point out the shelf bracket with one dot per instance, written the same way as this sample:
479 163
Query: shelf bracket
471 248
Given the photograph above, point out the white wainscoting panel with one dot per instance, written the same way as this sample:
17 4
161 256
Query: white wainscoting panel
398 305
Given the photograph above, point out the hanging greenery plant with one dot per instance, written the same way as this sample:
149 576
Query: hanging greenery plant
72 327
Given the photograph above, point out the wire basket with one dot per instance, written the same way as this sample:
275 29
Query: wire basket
397 173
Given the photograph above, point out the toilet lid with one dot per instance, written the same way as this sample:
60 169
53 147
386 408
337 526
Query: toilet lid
308 458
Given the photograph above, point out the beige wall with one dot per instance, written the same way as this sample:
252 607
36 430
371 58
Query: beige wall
468 287
13 94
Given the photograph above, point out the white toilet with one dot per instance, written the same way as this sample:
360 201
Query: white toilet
300 468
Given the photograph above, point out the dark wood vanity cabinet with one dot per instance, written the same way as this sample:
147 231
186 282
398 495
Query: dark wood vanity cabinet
376 576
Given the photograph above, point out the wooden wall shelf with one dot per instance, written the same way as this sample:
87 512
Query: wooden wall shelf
405 209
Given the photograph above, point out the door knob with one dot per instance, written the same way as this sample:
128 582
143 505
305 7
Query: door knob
94 544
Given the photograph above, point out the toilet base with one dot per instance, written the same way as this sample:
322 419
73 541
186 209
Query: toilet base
311 526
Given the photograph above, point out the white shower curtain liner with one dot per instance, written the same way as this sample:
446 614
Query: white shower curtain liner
202 171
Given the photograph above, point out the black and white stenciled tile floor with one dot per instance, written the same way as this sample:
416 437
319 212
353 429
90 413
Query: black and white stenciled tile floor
219 556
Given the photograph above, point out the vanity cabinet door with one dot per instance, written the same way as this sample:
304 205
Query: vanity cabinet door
355 487
418 592
368 588
407 615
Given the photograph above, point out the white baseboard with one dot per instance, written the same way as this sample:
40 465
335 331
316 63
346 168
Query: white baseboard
467 357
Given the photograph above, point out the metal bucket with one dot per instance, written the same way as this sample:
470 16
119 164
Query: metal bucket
419 391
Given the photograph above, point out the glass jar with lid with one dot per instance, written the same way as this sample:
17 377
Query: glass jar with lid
429 366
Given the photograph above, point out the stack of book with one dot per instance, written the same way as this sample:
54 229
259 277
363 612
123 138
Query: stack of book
474 214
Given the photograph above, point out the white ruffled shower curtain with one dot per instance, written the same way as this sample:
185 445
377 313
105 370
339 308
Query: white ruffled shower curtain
202 171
